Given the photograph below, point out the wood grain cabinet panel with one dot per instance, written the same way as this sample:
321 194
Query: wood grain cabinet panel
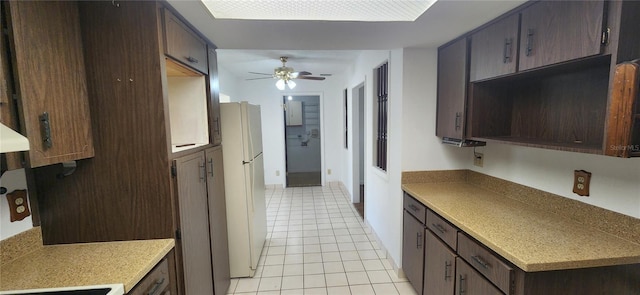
214 92
494 50
413 251
452 85
218 220
557 31
470 282
194 224
51 85
439 267
183 44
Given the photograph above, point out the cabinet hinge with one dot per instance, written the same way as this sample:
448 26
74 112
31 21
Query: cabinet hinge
174 170
14 97
605 36
178 234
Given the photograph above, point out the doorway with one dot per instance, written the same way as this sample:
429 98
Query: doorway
358 141
302 140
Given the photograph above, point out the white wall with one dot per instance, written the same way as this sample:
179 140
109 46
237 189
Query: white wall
265 94
12 180
615 182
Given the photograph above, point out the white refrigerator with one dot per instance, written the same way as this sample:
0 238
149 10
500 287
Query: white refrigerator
244 185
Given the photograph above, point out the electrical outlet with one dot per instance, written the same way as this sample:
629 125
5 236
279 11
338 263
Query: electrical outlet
329 171
277 172
581 180
18 205
478 159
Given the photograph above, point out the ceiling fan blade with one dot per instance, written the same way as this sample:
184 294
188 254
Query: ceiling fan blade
259 78
260 73
303 73
311 78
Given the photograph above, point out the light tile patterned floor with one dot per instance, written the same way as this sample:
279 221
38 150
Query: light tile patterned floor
317 244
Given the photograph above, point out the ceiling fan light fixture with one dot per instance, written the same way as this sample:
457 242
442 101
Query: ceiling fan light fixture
291 84
280 84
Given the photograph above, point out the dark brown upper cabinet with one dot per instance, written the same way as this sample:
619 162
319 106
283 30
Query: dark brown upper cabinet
183 44
494 50
558 31
49 74
452 85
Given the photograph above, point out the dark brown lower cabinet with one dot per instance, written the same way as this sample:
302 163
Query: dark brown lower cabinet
439 267
218 220
194 241
413 251
470 282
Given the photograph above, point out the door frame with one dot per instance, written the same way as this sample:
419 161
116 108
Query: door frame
357 102
284 133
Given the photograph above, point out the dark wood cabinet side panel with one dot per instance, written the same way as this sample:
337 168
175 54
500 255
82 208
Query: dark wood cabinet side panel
50 77
619 280
557 31
214 99
218 220
452 81
123 193
494 50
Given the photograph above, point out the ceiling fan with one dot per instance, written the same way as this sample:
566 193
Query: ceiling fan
285 75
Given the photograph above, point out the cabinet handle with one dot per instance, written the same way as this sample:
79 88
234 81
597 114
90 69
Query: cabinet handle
192 59
458 117
211 167
529 42
419 240
447 268
413 207
507 51
439 227
202 171
217 120
477 259
46 130
156 286
462 280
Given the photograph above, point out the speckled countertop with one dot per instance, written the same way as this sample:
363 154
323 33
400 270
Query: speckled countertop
528 237
83 264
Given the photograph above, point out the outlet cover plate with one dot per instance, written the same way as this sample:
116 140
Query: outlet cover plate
581 181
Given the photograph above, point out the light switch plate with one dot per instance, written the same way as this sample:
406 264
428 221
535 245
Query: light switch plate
581 181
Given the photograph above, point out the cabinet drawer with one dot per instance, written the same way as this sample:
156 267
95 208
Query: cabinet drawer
485 262
443 229
415 208
470 282
183 44
155 282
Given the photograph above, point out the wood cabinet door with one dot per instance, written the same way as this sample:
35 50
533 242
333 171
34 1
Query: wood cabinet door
214 91
51 85
413 251
452 81
557 31
194 224
183 44
439 267
470 282
218 220
494 50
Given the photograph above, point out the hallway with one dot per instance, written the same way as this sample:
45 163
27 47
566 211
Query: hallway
318 244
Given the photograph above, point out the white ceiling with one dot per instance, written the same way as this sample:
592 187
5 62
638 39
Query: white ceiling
319 46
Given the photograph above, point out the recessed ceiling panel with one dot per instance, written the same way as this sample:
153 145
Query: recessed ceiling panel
322 10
